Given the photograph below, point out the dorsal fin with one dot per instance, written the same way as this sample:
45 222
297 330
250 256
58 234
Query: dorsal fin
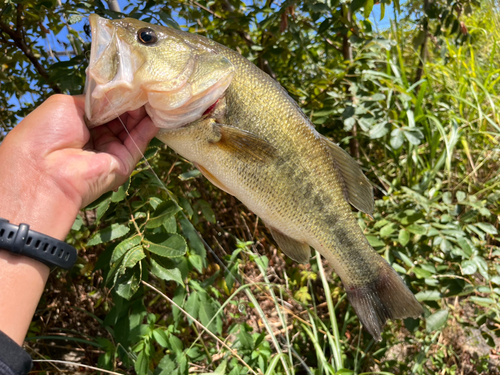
298 251
358 187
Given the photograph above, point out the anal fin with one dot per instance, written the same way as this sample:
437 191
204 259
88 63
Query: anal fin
298 251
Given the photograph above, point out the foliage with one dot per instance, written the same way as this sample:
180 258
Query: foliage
187 280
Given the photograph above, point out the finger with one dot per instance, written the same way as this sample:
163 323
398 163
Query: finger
116 126
102 136
139 138
135 117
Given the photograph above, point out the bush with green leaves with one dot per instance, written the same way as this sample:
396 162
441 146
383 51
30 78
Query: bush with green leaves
175 276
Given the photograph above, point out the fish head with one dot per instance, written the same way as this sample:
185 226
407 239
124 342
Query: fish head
176 75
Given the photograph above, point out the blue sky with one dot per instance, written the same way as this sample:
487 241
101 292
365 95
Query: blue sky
54 42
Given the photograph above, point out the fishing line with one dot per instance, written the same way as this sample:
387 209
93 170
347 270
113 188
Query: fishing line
162 184
205 244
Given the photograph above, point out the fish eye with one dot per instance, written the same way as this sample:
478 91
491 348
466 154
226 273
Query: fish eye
147 36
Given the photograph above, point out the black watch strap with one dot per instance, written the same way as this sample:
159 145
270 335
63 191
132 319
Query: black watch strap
48 250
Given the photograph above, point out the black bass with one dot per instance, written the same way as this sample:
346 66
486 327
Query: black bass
251 140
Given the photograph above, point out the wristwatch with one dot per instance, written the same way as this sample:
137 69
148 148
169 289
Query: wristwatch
23 241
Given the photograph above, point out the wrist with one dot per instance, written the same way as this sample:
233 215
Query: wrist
28 195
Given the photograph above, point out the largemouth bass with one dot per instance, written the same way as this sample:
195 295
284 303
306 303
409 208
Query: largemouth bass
250 139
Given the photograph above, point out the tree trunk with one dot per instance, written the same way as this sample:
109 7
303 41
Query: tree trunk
114 6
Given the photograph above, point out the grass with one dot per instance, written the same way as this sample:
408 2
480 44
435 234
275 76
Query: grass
233 304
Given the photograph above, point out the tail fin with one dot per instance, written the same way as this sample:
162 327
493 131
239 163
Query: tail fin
385 298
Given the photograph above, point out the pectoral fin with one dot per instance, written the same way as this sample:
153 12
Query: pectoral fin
242 143
298 251
358 187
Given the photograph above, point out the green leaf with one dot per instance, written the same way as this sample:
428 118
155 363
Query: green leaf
191 234
170 225
428 295
379 130
436 320
357 4
414 136
189 175
368 8
161 337
488 228
196 262
78 223
175 344
124 246
133 256
397 139
482 266
349 123
121 193
460 196
142 364
468 267
466 246
108 234
162 214
374 241
482 301
404 237
421 273
172 247
166 273
246 340
192 305
416 229
101 209
207 211
206 313
387 230
128 283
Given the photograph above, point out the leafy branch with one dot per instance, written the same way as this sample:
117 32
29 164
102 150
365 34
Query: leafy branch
19 41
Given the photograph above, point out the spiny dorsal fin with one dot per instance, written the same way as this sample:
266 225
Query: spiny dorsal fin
243 143
298 251
359 189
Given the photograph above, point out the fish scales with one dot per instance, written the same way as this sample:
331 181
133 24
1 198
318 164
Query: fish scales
253 141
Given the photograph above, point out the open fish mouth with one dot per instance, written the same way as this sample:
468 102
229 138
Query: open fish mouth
175 79
109 87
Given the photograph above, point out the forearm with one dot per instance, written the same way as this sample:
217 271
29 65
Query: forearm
33 201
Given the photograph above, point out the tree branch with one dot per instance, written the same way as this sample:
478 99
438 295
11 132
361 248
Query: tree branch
19 42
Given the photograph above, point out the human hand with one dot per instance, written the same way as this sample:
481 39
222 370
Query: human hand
51 164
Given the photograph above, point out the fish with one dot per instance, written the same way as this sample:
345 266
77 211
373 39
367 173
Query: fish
251 140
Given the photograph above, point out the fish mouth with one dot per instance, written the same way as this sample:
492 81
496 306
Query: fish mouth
176 81
109 89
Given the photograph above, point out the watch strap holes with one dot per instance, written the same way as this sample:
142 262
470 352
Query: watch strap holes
2 231
53 251
28 242
37 244
61 253
45 247
66 258
11 234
